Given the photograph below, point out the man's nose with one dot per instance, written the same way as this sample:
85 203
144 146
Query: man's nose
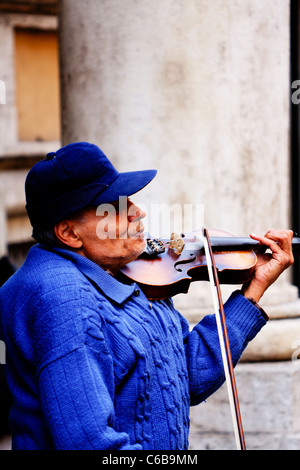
135 212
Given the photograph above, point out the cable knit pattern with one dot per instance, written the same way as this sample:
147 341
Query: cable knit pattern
92 364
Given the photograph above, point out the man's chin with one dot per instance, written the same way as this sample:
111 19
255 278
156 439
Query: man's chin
143 244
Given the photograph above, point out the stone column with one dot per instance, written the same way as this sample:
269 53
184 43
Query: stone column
200 91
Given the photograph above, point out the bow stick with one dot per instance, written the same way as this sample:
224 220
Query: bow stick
224 343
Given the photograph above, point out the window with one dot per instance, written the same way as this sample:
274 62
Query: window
37 85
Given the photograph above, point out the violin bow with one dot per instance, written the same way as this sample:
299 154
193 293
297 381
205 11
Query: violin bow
224 343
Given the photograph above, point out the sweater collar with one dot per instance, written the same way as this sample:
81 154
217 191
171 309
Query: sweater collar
111 287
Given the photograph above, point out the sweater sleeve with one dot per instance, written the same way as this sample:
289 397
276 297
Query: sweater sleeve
205 365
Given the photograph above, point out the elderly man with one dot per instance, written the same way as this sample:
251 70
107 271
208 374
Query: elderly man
91 363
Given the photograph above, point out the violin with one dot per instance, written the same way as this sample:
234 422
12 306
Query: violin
167 267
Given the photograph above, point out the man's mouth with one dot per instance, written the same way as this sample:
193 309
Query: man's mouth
139 232
138 235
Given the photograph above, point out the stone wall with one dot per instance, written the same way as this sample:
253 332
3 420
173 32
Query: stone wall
269 401
16 156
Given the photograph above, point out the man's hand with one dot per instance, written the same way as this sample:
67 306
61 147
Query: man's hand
270 265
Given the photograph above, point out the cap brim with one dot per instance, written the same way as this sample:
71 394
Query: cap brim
126 184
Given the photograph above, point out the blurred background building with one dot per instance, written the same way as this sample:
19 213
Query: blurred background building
201 90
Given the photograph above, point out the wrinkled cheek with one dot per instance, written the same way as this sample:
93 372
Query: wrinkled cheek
107 229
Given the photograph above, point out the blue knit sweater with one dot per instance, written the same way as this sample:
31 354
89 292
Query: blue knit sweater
92 364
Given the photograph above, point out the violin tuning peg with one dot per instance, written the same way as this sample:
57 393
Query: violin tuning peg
154 247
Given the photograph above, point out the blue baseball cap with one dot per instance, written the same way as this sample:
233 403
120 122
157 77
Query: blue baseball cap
74 177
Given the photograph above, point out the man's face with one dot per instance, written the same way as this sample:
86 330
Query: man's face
112 235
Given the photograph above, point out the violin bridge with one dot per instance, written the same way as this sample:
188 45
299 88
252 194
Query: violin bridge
176 243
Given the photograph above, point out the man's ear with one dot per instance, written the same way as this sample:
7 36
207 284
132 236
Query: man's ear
66 232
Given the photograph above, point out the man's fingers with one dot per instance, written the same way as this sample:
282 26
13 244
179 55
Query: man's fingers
267 241
280 243
280 235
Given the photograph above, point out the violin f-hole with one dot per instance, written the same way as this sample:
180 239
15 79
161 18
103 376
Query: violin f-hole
184 261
